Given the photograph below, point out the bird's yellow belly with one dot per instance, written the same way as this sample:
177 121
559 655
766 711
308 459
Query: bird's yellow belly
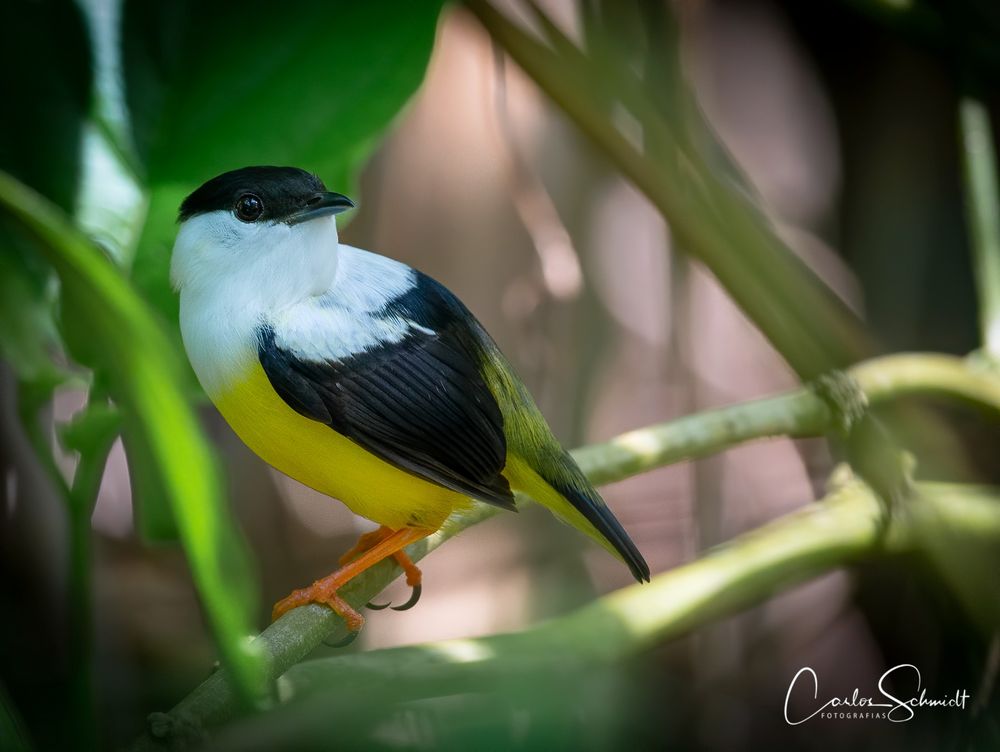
319 457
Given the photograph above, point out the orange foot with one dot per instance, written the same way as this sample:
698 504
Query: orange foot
413 574
373 548
414 578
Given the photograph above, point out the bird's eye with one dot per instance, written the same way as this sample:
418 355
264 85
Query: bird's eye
248 208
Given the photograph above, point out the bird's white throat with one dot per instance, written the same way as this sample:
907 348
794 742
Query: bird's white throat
232 276
271 263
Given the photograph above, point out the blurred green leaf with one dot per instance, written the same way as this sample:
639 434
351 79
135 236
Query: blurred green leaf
216 86
46 97
128 347
710 218
968 556
13 737
28 334
90 427
45 77
154 517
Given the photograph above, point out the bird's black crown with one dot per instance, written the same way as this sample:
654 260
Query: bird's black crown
282 190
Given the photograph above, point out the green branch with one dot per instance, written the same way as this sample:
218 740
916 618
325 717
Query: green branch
341 695
982 199
799 413
965 380
708 218
842 528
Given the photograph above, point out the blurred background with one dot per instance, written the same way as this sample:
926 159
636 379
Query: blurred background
844 126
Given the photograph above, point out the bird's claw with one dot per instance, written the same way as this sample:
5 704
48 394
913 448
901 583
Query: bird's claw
414 597
350 637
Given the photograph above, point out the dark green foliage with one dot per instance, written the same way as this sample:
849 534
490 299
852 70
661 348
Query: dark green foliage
216 86
46 98
45 83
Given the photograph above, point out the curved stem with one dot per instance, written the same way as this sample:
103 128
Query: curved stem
949 377
82 496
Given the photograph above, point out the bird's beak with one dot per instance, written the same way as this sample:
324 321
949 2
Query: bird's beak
321 205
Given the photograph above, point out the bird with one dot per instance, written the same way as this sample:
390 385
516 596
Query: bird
360 377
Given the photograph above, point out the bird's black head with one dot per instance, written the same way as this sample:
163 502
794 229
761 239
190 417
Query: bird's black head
265 194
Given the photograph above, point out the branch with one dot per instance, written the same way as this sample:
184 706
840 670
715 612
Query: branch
707 218
343 695
965 380
982 199
799 413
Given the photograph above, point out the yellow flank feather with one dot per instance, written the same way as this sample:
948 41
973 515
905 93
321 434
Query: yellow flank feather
319 457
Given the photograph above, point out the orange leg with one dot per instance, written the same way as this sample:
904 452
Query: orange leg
325 590
365 542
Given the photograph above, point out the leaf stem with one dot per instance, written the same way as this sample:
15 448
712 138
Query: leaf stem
982 200
81 499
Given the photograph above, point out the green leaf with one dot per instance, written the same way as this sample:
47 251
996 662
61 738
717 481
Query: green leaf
142 374
91 427
217 86
45 85
28 335
45 75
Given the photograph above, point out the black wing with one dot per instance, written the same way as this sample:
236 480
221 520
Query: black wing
419 404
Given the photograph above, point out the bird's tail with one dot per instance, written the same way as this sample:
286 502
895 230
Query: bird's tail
541 468
561 486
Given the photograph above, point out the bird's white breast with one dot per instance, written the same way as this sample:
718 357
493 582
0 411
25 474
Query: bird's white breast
220 323
351 316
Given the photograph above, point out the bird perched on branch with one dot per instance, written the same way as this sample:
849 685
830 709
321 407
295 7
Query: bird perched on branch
360 377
